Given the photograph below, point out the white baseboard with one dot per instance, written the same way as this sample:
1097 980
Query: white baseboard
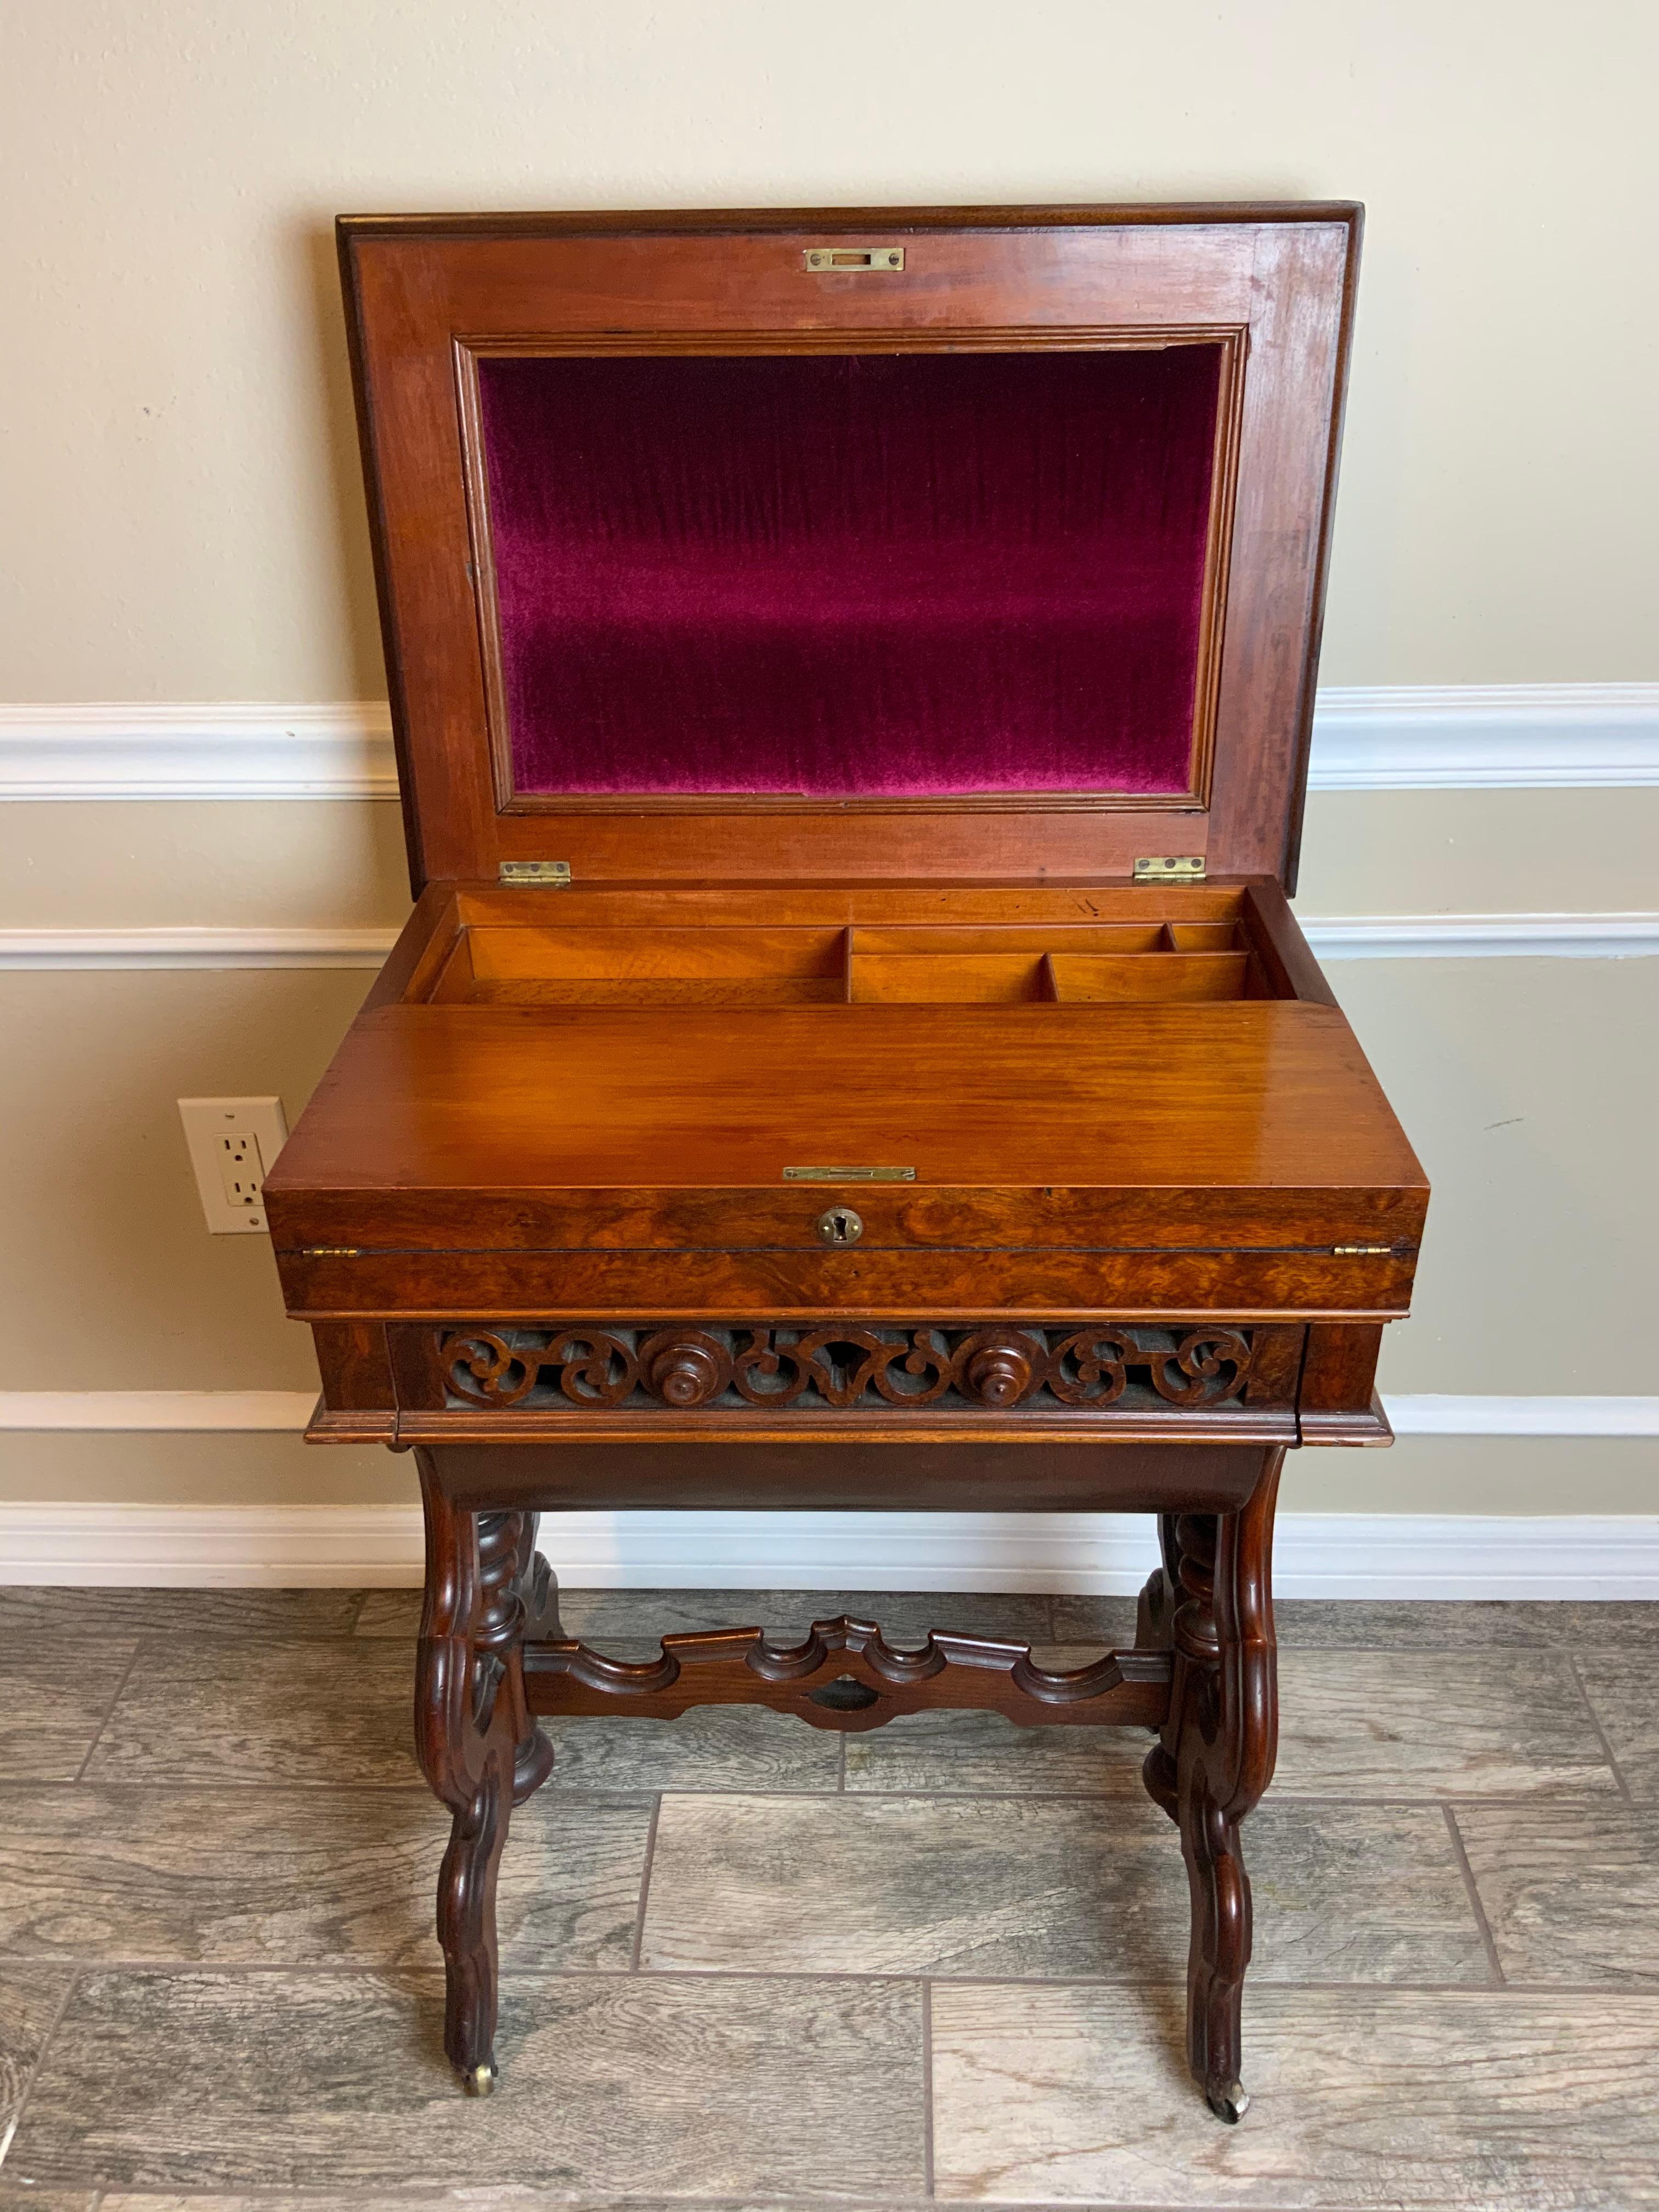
1402 736
1362 1555
1319 1554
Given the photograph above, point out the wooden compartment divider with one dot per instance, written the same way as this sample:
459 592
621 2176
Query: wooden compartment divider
1159 959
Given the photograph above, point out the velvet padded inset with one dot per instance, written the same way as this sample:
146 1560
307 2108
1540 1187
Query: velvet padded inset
880 574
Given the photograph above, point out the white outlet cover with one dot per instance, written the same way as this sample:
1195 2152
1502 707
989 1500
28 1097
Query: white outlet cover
208 1122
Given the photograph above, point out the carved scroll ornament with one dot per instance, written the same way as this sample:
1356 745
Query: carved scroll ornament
841 1364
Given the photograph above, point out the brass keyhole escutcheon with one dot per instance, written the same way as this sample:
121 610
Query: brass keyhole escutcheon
839 1224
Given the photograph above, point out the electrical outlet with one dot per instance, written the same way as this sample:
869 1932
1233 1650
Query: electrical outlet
233 1141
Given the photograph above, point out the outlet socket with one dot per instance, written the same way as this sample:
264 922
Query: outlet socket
232 1142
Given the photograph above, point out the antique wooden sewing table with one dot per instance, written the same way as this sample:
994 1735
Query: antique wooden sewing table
852 674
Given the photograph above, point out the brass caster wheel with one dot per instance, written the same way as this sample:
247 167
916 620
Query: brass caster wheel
479 2081
1229 2104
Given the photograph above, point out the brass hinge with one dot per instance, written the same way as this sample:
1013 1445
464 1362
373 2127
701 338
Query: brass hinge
330 1251
885 260
1187 868
547 875
1362 1251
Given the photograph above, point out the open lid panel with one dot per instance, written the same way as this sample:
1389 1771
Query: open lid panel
982 543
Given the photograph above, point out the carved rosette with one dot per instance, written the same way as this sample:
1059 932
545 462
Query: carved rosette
842 1365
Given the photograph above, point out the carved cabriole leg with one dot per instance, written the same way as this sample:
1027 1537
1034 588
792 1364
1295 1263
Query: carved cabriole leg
478 1747
1155 1631
538 1622
1217 1752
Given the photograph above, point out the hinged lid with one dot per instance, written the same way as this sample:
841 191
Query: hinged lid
985 543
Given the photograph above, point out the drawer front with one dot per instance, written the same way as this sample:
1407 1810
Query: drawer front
1018 1380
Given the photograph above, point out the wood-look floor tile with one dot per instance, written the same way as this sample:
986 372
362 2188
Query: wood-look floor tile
30 1999
508 2196
1103 1623
973 1753
1405 1724
52 1703
77 1612
295 1877
1403 1623
390 1612
1362 2100
1623 1688
596 1615
1570 1892
1004 1886
612 2087
322 1713
1448 1624
711 1747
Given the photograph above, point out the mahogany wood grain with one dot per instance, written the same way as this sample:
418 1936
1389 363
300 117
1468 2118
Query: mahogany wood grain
537 1214
1211 1605
844 1676
840 1473
1338 1403
958 1285
425 294
1248 1096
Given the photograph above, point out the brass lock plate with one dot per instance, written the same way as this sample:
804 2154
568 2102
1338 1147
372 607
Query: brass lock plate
840 1225
874 260
849 1175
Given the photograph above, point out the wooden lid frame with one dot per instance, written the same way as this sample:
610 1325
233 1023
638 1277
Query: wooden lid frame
1273 285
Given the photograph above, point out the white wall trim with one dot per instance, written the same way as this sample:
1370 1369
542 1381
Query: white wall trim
1482 936
1375 1555
1319 1554
194 947
1484 736
1360 937
231 749
1399 736
243 1411
1432 1414
174 1412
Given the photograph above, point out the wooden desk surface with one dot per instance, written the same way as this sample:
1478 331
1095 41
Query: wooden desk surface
1260 1095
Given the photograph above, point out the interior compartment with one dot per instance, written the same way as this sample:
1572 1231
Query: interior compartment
842 575
1121 963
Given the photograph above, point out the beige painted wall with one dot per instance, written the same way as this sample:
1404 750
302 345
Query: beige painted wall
1527 1085
323 863
174 409
181 479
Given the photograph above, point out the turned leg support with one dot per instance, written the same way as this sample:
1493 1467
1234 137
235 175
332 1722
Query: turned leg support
1211 1604
486 1589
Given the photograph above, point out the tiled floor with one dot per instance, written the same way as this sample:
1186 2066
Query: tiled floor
751 1964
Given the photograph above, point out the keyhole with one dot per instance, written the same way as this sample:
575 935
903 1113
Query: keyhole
840 1225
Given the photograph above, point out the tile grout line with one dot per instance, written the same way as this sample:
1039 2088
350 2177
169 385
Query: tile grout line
635 1793
431 1978
645 1885
120 1690
1500 1979
1600 1732
77 1975
928 2086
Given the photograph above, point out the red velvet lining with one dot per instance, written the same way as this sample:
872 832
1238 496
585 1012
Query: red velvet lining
880 574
